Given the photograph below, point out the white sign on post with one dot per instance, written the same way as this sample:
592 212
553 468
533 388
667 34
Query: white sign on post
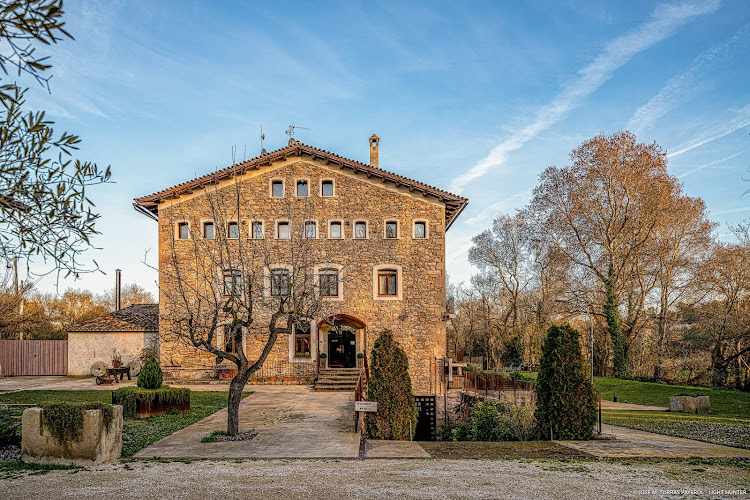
366 406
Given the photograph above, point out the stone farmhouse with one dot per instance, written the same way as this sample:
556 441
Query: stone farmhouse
382 235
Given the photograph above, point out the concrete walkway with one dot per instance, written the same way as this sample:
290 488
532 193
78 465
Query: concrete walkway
632 443
611 405
15 384
292 421
376 448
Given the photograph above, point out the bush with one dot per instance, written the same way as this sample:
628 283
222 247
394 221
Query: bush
65 420
151 375
129 397
522 422
390 386
486 421
10 428
471 368
566 406
512 351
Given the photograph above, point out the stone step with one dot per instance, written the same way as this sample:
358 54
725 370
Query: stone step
320 387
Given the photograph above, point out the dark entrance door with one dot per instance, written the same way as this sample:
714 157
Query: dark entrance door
342 347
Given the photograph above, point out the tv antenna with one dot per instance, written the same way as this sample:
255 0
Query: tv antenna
262 136
290 132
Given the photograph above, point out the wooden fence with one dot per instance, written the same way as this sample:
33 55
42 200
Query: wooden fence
33 357
493 385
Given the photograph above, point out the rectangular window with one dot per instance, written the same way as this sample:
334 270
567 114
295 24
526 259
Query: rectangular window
208 230
232 282
329 282
233 230
277 189
387 282
360 230
257 231
420 230
326 188
391 229
311 229
230 343
283 231
301 341
302 189
279 282
183 231
335 231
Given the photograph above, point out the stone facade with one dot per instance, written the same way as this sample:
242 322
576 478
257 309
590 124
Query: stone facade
414 314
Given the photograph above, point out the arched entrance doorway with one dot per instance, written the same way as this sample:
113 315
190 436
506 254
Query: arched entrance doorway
343 337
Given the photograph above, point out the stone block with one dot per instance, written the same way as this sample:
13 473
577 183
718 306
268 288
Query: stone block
97 444
690 404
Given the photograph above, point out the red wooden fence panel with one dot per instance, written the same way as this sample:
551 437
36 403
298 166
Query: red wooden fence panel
33 357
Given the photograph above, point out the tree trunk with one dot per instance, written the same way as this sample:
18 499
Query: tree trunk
719 370
611 311
235 396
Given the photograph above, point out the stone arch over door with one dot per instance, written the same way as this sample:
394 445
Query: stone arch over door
343 329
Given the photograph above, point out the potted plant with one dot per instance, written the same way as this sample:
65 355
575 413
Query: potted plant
360 357
116 358
323 359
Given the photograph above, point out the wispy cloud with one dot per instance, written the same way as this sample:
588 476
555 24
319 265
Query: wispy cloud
730 211
682 86
740 120
715 162
508 204
664 21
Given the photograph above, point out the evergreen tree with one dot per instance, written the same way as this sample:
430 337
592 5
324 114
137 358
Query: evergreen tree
566 406
390 386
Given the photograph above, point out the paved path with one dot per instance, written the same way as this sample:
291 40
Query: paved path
375 448
15 384
292 421
632 443
611 405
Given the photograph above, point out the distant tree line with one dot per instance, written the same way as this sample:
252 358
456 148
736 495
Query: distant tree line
612 244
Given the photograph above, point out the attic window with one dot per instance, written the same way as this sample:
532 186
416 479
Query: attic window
326 188
233 230
277 189
391 229
335 230
302 189
282 232
183 231
420 230
208 230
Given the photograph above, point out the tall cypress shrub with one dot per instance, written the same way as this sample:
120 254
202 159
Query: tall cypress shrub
390 386
565 397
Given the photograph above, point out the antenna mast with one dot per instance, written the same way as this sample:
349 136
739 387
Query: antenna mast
290 132
262 136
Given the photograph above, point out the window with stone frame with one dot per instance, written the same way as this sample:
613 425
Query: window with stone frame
420 230
208 230
277 189
279 282
229 342
391 229
282 231
335 230
311 229
329 282
302 189
183 230
360 230
233 230
326 188
387 282
232 282
301 340
256 231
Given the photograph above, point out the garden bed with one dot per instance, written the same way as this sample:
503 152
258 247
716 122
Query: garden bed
144 403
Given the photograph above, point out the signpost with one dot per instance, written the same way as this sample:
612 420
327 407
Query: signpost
366 406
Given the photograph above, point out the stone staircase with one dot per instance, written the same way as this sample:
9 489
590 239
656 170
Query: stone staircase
337 379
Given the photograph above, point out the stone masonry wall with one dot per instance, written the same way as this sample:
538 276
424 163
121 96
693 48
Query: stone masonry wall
415 319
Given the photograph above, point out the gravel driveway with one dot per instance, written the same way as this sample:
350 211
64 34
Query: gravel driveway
415 478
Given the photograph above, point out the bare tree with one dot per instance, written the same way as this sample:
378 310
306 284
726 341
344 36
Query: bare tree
225 282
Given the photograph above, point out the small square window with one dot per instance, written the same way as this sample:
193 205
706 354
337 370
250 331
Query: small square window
387 285
283 231
420 230
208 230
329 282
257 231
311 229
326 188
335 231
233 230
391 229
232 282
279 282
302 190
360 230
183 231
277 189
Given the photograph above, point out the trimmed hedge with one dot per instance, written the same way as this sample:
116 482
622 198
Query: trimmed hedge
129 397
65 420
390 386
566 404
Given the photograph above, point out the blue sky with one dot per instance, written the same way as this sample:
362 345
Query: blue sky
476 98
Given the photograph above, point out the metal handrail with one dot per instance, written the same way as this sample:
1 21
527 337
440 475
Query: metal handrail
360 393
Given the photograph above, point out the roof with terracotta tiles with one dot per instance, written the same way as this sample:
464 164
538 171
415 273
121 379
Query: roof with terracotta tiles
454 204
135 318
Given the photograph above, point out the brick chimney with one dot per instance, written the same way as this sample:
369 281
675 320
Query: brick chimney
374 141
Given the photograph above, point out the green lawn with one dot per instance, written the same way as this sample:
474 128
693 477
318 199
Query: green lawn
136 433
724 402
